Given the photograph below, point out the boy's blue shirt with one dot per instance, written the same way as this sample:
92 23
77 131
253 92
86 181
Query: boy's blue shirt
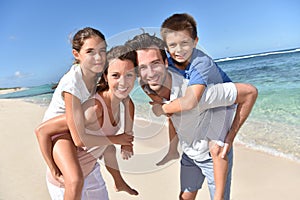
201 70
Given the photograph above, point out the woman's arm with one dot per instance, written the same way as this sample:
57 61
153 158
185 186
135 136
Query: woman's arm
127 150
128 115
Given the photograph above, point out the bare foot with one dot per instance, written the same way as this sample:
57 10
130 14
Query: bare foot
125 188
170 156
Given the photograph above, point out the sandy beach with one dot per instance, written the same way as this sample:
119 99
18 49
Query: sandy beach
256 175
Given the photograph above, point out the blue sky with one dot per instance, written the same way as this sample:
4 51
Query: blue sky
34 35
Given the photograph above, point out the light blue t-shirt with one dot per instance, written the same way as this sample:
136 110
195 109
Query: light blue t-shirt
201 70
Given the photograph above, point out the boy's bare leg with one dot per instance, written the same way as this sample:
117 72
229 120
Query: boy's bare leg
220 170
188 195
65 157
112 166
173 146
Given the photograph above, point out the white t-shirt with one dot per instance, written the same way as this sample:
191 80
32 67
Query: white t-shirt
72 83
199 125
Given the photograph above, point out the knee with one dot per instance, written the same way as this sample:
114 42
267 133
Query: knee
216 151
252 91
75 182
246 92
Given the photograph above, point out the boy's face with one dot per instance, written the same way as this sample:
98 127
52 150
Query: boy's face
152 69
180 46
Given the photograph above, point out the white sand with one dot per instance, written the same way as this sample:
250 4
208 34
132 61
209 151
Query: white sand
256 175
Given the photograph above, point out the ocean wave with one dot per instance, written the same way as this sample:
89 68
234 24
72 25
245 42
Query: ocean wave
257 55
266 149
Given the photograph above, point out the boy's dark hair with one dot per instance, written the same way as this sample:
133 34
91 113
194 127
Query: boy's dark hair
122 52
147 41
179 22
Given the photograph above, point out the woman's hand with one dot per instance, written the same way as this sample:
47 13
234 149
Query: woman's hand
126 151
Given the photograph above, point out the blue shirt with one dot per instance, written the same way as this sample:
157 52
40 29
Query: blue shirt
201 70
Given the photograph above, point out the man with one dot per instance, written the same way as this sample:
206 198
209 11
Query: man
195 125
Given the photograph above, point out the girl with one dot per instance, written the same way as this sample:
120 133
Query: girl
89 50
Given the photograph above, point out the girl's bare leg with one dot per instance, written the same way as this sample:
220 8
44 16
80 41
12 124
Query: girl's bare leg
65 157
112 167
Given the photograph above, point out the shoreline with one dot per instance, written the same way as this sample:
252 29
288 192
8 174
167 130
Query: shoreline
256 175
10 90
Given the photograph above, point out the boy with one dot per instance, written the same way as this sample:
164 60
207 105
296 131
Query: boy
179 32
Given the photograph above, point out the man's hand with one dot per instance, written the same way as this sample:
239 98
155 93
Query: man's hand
157 108
228 144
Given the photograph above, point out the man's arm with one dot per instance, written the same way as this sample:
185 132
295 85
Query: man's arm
247 95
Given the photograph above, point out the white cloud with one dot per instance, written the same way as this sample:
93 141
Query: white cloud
18 74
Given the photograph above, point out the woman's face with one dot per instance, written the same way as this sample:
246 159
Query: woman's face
120 77
92 55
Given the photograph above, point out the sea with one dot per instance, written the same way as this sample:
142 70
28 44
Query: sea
274 123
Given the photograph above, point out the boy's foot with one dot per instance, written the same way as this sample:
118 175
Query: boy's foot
125 188
170 156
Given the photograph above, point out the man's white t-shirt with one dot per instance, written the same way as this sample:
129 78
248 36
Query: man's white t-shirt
197 126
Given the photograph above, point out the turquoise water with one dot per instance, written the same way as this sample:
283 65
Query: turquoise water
273 125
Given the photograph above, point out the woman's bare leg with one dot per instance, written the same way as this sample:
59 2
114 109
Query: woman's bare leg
112 166
173 146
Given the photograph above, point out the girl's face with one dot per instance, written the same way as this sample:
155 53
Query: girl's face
180 45
120 77
92 55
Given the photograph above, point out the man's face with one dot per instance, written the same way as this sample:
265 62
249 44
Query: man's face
152 69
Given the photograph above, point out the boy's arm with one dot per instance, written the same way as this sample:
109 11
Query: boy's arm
76 123
189 101
44 132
